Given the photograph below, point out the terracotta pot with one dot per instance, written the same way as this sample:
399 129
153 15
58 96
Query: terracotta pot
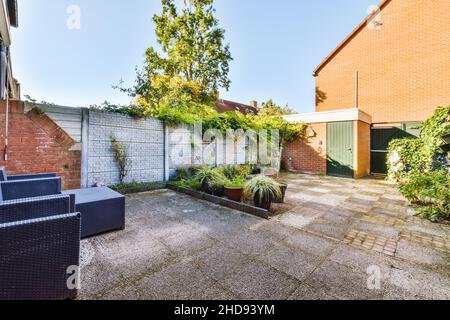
234 193
263 204
283 188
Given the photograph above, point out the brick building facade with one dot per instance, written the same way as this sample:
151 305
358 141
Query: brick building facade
394 67
402 57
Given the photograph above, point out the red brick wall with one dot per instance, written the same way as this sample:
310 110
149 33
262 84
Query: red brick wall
404 66
38 145
307 154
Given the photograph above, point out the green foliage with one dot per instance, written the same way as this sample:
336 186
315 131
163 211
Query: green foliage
410 156
228 120
288 131
431 192
121 157
235 172
191 183
39 111
265 188
191 113
237 183
437 126
194 62
127 188
269 108
130 110
212 177
414 162
185 174
174 116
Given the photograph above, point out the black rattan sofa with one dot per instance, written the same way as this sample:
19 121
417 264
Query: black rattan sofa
40 246
102 209
40 231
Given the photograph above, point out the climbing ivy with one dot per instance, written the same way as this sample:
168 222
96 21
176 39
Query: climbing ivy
409 156
417 164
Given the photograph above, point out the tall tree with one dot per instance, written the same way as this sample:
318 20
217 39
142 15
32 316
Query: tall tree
193 62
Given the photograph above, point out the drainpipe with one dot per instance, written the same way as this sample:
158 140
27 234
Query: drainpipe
4 73
5 154
357 90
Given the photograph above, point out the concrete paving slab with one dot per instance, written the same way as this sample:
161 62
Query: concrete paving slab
178 247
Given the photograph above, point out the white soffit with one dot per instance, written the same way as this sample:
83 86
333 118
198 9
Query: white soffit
330 116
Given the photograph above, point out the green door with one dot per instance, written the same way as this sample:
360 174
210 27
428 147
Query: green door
340 149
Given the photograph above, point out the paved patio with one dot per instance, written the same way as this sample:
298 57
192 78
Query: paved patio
177 247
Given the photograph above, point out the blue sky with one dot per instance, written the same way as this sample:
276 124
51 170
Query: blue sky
275 44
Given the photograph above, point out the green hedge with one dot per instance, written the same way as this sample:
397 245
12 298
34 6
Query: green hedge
410 156
417 164
430 192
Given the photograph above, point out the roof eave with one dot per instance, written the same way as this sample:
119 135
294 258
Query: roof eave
348 38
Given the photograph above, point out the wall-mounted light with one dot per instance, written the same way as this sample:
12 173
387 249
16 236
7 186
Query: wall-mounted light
310 133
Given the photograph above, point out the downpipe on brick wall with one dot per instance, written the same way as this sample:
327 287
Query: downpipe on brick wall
5 153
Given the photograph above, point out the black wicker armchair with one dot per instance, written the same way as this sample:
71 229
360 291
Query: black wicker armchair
18 189
40 245
6 177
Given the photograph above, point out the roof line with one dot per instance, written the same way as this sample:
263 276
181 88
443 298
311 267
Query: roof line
349 37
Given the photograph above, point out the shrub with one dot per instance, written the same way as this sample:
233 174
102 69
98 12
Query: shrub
184 174
407 156
431 192
210 178
265 188
410 156
238 183
233 172
420 166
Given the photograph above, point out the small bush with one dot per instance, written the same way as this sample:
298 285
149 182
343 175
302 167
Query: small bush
233 172
211 179
184 174
238 183
411 156
421 167
430 192
265 188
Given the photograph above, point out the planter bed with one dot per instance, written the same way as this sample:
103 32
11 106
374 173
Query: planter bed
222 201
141 188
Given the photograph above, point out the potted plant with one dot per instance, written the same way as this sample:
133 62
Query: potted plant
255 169
283 188
212 181
234 190
264 190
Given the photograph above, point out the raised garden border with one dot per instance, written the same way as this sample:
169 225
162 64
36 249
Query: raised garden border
261 213
144 188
